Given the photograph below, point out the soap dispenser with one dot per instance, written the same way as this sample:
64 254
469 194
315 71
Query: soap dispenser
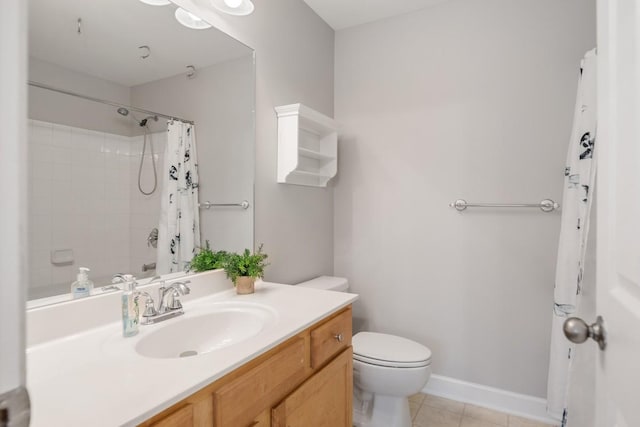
83 286
130 309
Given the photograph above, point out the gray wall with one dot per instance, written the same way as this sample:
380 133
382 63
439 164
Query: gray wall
294 63
469 100
220 99
68 110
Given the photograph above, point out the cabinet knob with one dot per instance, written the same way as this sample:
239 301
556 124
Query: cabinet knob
339 337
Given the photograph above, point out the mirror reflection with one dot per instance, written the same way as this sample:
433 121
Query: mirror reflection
141 142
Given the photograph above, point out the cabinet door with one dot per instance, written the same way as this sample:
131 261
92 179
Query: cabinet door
262 420
324 400
238 403
182 417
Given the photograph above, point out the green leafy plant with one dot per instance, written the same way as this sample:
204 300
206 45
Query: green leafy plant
245 264
207 259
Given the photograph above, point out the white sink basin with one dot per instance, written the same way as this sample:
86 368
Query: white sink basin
222 326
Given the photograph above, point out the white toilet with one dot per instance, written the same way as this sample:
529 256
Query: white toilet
387 369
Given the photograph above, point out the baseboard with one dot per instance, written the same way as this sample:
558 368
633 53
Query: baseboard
521 405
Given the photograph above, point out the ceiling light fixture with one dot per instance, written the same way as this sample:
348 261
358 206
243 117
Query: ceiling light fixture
156 2
234 7
190 20
233 3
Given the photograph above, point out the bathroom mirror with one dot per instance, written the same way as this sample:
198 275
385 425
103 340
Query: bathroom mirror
106 77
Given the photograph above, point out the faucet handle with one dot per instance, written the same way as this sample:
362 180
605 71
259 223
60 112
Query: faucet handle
149 308
182 284
117 278
182 287
173 302
177 289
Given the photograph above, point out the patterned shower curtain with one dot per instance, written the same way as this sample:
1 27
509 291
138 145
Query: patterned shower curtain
579 177
179 229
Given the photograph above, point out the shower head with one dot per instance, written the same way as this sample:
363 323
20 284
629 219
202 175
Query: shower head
125 112
143 122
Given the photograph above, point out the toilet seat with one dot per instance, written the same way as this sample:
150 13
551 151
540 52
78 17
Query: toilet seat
389 351
390 363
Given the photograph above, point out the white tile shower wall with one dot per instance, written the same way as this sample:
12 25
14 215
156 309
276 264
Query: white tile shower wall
78 200
145 209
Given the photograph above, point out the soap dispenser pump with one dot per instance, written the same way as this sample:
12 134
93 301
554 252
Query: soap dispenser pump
82 287
130 309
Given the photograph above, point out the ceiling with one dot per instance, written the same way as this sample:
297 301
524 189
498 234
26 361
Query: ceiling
112 31
341 14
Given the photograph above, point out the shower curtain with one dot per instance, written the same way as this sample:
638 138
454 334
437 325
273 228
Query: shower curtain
179 228
579 177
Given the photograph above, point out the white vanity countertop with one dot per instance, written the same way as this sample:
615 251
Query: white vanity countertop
96 378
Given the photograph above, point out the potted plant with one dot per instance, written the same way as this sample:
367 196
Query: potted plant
243 269
206 259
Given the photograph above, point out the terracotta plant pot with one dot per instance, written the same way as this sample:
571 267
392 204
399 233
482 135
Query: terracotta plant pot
245 285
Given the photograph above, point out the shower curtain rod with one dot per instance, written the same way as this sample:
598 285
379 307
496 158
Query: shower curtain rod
103 101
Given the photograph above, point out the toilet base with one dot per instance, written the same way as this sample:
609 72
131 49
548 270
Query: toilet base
381 411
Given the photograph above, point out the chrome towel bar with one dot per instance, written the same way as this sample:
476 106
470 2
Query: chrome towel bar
208 205
546 205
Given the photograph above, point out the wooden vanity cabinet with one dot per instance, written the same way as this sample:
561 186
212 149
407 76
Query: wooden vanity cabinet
306 381
324 400
183 416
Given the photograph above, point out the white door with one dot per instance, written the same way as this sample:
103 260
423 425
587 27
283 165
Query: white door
618 238
14 403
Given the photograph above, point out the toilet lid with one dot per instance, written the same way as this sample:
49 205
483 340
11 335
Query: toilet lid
389 350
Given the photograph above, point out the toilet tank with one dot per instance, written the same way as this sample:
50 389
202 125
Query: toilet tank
329 283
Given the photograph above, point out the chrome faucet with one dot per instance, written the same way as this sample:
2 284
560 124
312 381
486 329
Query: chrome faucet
149 308
172 308
175 291
116 280
155 279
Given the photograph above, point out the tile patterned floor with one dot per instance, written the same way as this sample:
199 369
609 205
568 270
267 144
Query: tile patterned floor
433 411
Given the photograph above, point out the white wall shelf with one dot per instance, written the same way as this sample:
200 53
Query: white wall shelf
307 146
304 152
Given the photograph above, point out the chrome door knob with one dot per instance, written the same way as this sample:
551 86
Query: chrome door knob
577 331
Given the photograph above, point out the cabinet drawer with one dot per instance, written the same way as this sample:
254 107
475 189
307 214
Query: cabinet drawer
239 402
324 400
330 338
